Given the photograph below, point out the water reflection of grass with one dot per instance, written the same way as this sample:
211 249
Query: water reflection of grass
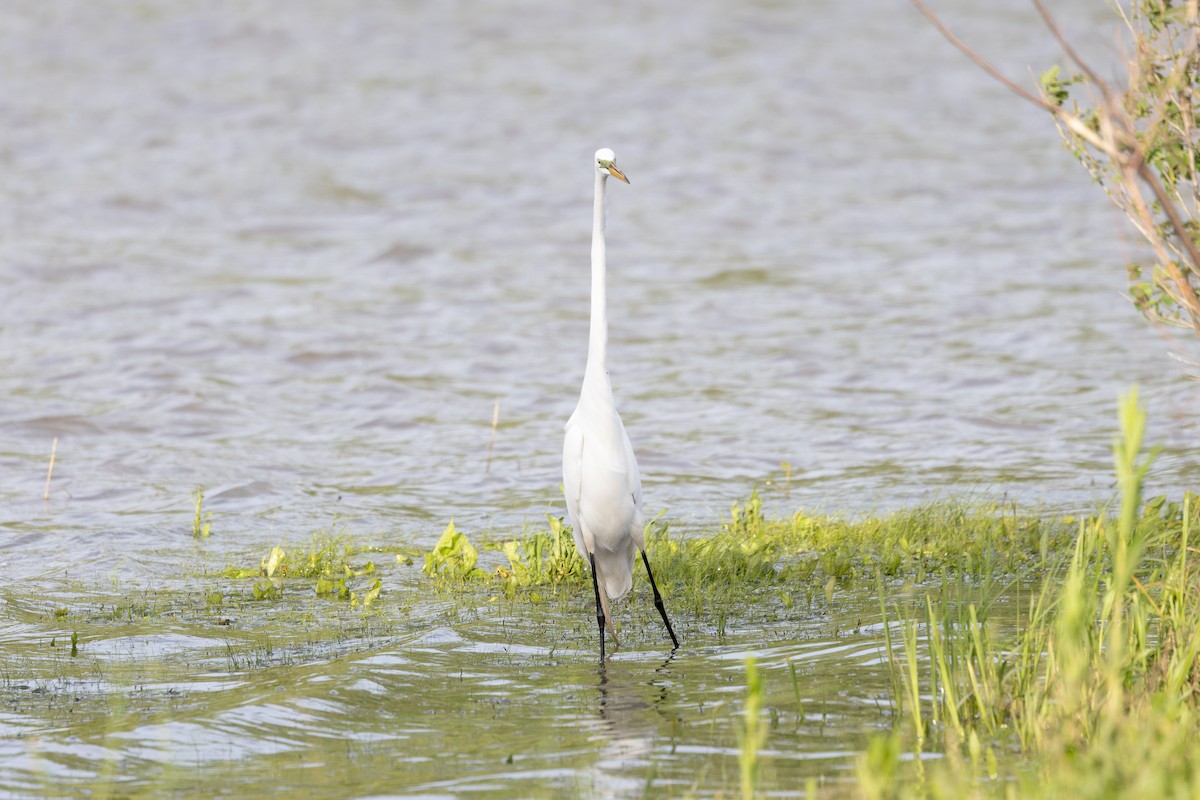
1029 655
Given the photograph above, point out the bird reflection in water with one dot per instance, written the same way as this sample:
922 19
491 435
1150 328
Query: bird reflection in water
631 705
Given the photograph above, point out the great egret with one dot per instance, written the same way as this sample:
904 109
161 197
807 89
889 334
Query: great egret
600 472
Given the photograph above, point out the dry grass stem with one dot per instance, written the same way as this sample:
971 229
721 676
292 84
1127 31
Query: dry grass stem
50 470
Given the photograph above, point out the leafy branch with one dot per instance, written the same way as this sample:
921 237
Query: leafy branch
1139 143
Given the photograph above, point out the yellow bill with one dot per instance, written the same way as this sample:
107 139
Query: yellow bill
616 173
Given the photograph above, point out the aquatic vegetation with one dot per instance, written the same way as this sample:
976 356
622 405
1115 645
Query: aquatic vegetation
544 558
452 560
1028 654
271 587
961 538
800 555
202 523
1098 689
331 566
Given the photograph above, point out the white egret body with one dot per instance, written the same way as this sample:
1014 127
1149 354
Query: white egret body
600 472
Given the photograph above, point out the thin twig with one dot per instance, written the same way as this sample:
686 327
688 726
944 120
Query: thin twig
1113 109
1117 140
50 470
979 60
1169 208
1072 122
1070 51
1135 161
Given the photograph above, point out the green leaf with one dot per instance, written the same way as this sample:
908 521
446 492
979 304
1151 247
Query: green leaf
1054 88
453 557
271 563
372 593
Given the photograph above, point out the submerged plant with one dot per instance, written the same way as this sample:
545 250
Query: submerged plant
368 596
202 522
328 565
271 587
543 558
453 558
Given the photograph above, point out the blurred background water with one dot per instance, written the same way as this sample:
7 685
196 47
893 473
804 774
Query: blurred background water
295 253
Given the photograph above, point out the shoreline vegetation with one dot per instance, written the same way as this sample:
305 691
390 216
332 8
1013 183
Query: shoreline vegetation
1088 689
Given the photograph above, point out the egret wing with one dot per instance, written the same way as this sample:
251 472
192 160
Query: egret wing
634 477
573 479
633 474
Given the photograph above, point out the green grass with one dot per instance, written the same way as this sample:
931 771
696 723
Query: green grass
1096 691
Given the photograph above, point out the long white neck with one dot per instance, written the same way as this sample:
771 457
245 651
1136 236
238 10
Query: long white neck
598 335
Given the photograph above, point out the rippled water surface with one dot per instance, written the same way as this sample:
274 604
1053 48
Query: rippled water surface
442 700
296 253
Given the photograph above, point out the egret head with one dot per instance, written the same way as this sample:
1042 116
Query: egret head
605 163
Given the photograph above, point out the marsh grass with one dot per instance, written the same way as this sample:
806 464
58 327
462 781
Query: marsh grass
753 733
802 558
1096 690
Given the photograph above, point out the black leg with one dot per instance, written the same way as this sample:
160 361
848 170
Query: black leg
600 608
658 603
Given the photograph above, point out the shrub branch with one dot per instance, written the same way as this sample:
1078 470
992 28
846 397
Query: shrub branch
1135 131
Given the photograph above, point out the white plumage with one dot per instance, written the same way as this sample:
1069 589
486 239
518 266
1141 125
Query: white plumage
600 472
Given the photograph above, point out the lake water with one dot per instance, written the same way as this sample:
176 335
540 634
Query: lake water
441 698
295 254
